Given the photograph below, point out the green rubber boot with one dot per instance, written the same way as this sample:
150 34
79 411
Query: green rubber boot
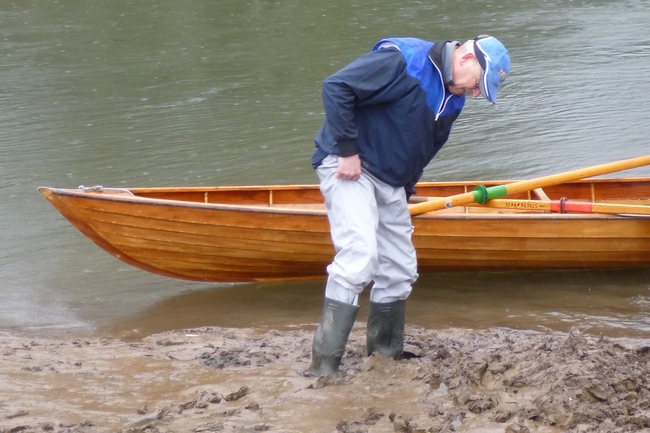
331 337
385 334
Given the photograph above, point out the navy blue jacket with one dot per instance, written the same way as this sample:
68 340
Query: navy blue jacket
389 106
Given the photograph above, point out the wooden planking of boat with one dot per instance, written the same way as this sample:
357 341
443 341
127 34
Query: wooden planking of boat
261 233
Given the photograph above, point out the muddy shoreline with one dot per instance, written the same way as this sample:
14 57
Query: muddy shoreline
247 380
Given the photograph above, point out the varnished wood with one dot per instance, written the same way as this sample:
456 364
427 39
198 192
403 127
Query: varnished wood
258 233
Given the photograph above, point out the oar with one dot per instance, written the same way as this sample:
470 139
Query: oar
482 194
567 206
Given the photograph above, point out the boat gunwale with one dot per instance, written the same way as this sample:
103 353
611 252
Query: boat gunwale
130 195
135 199
442 214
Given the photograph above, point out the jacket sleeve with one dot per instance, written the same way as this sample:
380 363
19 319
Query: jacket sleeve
409 188
375 78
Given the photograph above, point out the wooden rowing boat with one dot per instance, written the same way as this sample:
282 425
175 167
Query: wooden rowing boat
258 233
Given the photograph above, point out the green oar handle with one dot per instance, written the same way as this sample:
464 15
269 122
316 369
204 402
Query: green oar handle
482 194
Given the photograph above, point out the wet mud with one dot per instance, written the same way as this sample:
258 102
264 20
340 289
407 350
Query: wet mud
247 380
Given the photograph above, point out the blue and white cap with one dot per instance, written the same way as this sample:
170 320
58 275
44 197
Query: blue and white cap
495 61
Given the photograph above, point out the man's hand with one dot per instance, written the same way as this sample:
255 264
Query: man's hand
349 168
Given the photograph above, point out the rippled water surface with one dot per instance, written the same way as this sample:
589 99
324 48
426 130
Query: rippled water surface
162 93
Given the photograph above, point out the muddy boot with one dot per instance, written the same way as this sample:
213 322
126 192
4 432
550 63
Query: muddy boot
331 336
385 334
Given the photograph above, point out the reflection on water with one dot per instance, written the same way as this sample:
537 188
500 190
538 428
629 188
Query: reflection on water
612 303
168 93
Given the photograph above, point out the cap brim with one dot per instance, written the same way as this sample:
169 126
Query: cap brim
495 61
486 90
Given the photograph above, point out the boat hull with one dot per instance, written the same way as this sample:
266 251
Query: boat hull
240 234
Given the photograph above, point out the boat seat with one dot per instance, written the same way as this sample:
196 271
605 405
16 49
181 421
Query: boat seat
539 194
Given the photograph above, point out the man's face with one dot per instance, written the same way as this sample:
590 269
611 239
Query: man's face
467 77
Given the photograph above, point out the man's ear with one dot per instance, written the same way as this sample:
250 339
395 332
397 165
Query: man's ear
467 58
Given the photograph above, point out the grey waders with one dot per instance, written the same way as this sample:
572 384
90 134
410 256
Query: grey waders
385 334
331 337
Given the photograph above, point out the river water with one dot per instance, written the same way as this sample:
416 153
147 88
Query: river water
168 93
